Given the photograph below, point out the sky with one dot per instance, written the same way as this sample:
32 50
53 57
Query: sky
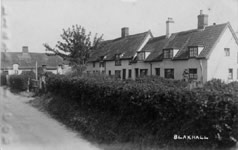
34 22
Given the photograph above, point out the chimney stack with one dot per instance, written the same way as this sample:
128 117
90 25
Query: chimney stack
24 49
124 32
168 27
202 20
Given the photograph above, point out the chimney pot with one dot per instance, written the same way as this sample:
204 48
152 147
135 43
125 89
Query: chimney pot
25 49
124 32
202 20
168 22
201 12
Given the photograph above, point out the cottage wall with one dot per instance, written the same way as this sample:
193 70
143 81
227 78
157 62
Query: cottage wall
218 63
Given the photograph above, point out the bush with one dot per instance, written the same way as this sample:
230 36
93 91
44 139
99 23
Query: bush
20 82
3 79
157 107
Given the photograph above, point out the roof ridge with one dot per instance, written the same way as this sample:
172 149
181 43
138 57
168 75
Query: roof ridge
199 29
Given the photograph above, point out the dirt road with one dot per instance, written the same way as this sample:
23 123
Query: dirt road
25 128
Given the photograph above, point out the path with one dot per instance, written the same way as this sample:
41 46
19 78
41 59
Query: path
25 128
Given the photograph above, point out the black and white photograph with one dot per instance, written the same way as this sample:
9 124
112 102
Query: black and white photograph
119 75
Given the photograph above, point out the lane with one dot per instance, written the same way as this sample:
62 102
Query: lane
25 128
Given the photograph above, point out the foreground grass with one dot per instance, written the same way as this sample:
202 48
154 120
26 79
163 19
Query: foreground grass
105 130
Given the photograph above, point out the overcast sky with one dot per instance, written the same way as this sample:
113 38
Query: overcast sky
34 22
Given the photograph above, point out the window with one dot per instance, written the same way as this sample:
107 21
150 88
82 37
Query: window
136 72
109 72
193 74
141 55
169 73
118 74
227 51
168 53
193 51
102 64
117 61
157 71
143 72
230 75
93 64
129 73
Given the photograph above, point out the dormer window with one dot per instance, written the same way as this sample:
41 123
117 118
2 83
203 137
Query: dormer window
193 51
142 55
102 63
168 53
117 60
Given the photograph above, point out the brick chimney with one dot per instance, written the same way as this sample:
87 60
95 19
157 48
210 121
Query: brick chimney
168 27
202 20
124 32
25 49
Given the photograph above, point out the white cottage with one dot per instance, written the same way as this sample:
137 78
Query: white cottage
199 54
17 62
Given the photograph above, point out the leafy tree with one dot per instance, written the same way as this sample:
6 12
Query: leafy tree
75 47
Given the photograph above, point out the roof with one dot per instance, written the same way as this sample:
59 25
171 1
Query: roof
126 47
182 40
28 60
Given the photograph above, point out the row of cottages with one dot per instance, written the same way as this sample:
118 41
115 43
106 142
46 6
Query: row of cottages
199 54
17 62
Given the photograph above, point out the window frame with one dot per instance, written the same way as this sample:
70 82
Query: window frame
193 73
157 71
230 74
172 73
193 51
168 53
227 52
101 64
117 60
143 72
139 54
129 73
116 74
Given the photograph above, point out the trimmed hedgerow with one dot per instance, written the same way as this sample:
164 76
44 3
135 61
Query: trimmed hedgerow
158 108
3 79
19 82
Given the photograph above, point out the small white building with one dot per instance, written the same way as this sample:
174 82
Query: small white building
17 62
210 51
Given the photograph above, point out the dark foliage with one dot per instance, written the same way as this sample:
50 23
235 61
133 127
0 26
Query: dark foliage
20 82
3 79
156 108
75 47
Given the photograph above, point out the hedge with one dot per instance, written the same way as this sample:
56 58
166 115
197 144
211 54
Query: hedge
19 82
160 107
3 79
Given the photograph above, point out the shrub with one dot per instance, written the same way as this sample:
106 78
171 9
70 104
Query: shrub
3 79
18 82
28 74
159 107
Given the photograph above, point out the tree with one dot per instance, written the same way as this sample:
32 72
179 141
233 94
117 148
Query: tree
75 47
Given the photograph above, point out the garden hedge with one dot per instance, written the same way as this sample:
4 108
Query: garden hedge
19 82
161 108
